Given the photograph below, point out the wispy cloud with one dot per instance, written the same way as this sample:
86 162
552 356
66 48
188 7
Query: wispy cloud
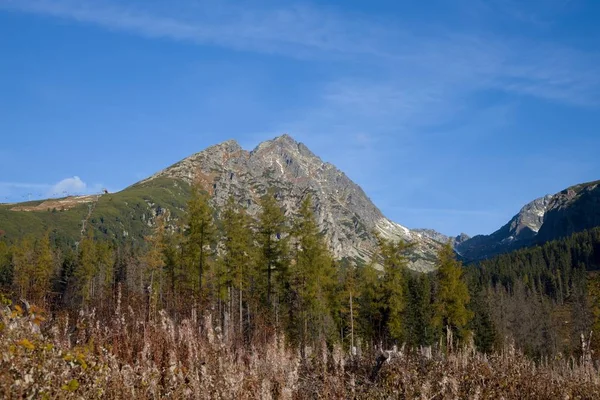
296 31
386 79
440 58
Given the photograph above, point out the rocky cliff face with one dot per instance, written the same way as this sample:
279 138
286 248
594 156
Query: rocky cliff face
439 237
345 214
547 218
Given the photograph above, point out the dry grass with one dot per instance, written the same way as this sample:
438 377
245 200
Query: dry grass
125 356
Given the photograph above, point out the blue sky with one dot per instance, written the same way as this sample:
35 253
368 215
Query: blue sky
450 114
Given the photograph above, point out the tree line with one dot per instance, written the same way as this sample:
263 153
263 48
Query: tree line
255 277
275 273
540 299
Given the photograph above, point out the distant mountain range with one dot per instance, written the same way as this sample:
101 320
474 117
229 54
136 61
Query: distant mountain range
346 216
550 217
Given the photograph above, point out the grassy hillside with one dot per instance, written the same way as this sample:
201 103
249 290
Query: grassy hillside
126 215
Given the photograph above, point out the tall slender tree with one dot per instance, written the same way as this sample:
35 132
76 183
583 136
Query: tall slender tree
44 268
312 276
236 256
155 261
272 242
452 297
393 259
200 235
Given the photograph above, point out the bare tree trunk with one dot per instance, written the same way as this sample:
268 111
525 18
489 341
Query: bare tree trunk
351 327
241 314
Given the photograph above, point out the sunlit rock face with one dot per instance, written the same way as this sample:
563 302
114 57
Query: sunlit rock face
346 216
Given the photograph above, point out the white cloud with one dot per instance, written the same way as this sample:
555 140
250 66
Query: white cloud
22 191
69 186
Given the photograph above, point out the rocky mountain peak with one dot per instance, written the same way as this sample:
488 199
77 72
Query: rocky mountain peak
531 216
546 218
344 212
229 146
441 238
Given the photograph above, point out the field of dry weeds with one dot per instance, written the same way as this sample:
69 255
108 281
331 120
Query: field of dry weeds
128 357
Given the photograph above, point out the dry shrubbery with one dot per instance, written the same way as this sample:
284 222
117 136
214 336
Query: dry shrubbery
127 356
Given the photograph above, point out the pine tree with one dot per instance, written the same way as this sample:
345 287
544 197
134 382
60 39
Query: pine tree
312 276
172 257
6 271
86 268
394 263
200 236
452 297
348 303
104 276
155 261
43 269
273 246
419 310
23 260
370 311
236 256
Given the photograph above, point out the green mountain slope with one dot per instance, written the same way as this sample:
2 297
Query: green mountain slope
122 216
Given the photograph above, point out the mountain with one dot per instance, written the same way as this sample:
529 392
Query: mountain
440 237
346 216
547 218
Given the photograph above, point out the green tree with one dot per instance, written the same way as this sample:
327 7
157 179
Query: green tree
273 247
393 259
6 271
43 269
172 246
155 261
23 261
452 297
200 235
312 277
419 310
236 256
94 275
34 266
348 303
370 310
86 268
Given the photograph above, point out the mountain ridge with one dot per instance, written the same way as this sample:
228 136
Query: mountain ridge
345 214
546 218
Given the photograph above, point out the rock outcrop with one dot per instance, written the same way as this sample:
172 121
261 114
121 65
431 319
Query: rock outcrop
345 213
544 219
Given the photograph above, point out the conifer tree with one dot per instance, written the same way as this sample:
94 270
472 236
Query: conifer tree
394 263
200 236
86 267
155 260
273 247
6 271
312 275
370 316
237 255
452 297
172 246
43 270
419 310
348 305
104 268
94 274
23 260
